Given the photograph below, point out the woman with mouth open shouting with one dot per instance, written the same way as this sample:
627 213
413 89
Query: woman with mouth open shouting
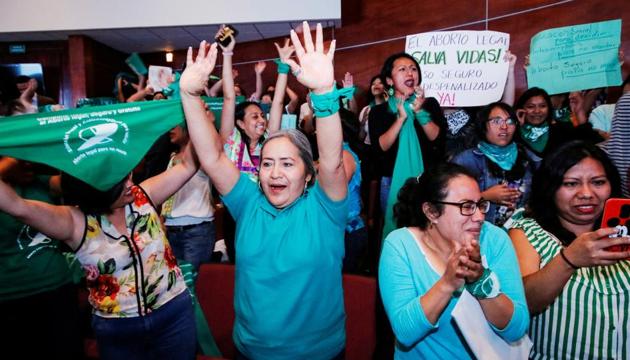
576 287
395 128
503 167
290 227
442 246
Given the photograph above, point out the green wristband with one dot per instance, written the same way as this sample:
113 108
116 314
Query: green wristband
328 104
486 287
283 68
423 117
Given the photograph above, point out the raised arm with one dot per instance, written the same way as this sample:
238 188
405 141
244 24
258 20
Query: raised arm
294 99
229 96
316 72
205 139
510 83
259 68
348 81
277 104
161 186
64 223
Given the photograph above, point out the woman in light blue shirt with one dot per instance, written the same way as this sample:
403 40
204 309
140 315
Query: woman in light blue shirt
443 246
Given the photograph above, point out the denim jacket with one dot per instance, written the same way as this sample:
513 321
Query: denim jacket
477 163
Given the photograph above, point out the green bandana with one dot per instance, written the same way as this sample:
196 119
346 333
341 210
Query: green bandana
99 145
504 156
535 136
408 160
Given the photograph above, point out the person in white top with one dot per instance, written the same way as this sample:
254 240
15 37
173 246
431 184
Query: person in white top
188 214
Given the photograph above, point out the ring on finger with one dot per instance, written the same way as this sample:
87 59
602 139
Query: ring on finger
297 72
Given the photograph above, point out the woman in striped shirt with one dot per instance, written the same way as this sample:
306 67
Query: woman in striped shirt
578 292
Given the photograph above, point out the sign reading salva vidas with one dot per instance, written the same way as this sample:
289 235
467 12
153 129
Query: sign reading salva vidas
576 57
461 68
99 145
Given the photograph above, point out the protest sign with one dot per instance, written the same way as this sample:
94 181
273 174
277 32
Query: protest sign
461 68
160 77
576 57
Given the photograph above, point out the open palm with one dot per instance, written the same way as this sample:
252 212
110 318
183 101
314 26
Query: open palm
195 77
315 69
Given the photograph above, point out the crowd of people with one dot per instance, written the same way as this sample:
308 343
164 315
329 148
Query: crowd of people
506 207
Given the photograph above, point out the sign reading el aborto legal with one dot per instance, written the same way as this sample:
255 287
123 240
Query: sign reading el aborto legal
576 57
461 68
99 145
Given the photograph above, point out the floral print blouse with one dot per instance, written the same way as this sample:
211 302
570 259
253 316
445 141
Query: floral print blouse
129 277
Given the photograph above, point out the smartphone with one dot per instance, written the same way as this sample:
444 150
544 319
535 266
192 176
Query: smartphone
617 215
224 37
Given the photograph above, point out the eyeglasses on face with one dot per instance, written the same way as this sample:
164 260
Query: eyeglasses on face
498 121
468 208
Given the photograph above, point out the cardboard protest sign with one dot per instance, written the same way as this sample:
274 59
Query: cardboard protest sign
576 57
461 68
160 77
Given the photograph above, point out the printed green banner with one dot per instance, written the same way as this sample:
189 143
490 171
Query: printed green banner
576 57
99 145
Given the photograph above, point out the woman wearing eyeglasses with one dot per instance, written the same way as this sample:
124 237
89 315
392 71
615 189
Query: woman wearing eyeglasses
442 245
503 168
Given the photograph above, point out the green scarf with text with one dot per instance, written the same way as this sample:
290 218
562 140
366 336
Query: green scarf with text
99 145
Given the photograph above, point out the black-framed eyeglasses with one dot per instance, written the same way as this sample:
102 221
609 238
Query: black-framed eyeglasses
468 208
499 121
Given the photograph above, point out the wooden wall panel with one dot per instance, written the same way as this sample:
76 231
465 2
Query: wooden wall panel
372 30
377 20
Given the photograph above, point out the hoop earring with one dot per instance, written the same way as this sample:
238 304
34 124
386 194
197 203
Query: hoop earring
260 186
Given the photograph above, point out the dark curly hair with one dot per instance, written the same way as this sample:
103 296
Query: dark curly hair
548 179
432 186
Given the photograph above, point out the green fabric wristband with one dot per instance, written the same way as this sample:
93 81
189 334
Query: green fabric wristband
283 68
423 117
486 287
328 104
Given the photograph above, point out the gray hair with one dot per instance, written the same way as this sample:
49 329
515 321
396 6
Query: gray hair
304 148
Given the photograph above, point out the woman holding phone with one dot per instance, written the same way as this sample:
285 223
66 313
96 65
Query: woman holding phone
577 289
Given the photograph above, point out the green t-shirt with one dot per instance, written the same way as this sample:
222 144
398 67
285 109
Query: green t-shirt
30 262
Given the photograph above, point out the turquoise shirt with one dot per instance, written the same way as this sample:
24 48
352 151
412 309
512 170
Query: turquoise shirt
405 276
288 296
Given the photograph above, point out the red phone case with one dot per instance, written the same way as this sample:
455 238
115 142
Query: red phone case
617 215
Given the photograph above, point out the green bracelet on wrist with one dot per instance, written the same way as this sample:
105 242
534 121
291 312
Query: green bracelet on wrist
423 117
283 68
328 104
486 287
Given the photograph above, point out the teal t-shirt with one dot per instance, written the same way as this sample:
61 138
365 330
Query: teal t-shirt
30 263
288 295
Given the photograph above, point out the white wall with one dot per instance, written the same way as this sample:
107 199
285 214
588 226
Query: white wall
57 15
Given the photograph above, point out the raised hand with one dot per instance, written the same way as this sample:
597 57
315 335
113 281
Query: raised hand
511 58
230 47
315 69
285 52
348 80
260 67
195 77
